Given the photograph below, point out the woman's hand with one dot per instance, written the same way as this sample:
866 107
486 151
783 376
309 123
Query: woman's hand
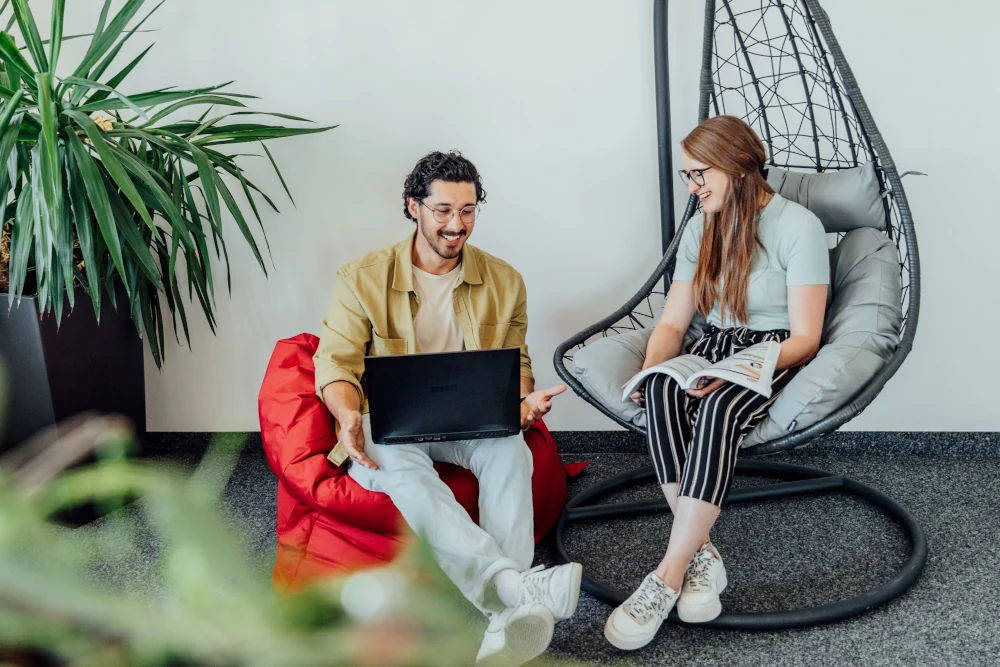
637 396
714 385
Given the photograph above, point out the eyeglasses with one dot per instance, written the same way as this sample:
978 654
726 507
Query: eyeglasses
444 214
696 175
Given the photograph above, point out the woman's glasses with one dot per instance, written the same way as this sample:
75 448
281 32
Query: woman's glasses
696 175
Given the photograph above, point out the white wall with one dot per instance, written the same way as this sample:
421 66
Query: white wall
553 100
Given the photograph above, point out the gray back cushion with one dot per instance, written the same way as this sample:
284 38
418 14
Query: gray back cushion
843 199
861 332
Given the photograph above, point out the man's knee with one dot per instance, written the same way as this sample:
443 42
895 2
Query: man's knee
511 452
399 459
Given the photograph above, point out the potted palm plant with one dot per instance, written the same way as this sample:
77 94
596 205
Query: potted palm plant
112 206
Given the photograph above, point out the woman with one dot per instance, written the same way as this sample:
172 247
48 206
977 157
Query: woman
757 266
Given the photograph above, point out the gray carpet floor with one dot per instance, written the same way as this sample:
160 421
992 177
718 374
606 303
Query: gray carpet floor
780 554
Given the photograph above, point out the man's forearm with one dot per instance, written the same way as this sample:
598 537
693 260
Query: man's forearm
527 386
665 343
341 397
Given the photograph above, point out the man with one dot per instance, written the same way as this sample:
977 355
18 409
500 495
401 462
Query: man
433 292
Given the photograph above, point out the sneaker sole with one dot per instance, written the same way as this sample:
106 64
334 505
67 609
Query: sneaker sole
627 643
575 582
706 611
527 638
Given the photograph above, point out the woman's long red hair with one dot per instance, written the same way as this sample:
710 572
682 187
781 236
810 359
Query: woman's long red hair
729 145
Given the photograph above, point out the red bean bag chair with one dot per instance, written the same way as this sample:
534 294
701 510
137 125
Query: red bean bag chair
327 523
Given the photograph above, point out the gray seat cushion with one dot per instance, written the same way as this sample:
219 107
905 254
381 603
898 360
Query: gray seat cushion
843 200
861 332
604 366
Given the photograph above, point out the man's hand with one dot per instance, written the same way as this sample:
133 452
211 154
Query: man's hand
537 404
352 437
714 385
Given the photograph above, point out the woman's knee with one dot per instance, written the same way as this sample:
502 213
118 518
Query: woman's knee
715 407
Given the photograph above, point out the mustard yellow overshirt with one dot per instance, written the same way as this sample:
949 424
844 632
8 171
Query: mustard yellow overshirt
374 304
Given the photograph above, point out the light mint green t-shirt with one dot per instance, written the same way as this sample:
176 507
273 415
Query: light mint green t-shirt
796 255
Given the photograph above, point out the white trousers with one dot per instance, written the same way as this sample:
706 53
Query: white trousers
469 554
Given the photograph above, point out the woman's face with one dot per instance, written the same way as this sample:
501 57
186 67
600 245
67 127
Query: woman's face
709 184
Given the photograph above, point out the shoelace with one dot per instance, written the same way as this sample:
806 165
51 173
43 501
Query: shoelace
535 586
650 599
698 577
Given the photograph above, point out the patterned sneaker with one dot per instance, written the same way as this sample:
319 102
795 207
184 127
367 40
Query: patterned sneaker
515 636
558 588
635 622
703 583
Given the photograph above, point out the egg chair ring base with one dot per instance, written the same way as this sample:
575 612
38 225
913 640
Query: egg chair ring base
796 480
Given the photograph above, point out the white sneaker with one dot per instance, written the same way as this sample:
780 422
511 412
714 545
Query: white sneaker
635 622
515 636
704 582
558 588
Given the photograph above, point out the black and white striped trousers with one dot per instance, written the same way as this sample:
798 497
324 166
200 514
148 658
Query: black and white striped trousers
694 442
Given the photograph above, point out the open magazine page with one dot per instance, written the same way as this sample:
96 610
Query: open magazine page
679 368
752 368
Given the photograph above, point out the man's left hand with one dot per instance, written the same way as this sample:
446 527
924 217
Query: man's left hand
537 404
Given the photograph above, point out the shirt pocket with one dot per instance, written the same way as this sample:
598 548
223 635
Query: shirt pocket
492 336
383 347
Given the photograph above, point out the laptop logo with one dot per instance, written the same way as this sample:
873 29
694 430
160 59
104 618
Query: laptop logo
440 389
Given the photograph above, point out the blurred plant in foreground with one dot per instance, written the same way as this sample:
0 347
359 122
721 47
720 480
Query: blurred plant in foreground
215 607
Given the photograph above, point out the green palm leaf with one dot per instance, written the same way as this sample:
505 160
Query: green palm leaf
29 30
55 45
140 257
108 59
77 199
50 170
150 99
98 198
11 56
88 84
191 101
22 243
111 163
113 81
103 41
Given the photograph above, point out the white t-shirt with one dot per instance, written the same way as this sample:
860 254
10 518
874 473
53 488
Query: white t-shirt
436 327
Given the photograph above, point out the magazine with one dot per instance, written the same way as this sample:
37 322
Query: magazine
752 368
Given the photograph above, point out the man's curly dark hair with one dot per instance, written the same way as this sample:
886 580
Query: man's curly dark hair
450 167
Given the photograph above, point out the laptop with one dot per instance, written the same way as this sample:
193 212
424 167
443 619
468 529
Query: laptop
416 398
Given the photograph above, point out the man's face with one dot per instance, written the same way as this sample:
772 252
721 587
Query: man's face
453 203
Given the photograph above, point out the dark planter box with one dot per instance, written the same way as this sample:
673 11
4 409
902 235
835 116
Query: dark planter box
55 373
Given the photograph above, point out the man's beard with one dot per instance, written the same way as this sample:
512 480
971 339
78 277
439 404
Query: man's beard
433 240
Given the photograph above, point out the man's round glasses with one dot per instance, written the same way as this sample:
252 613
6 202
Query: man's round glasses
696 175
444 214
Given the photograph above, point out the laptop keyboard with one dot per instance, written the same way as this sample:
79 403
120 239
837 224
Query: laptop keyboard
412 440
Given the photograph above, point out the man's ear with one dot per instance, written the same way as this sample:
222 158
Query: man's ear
413 207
